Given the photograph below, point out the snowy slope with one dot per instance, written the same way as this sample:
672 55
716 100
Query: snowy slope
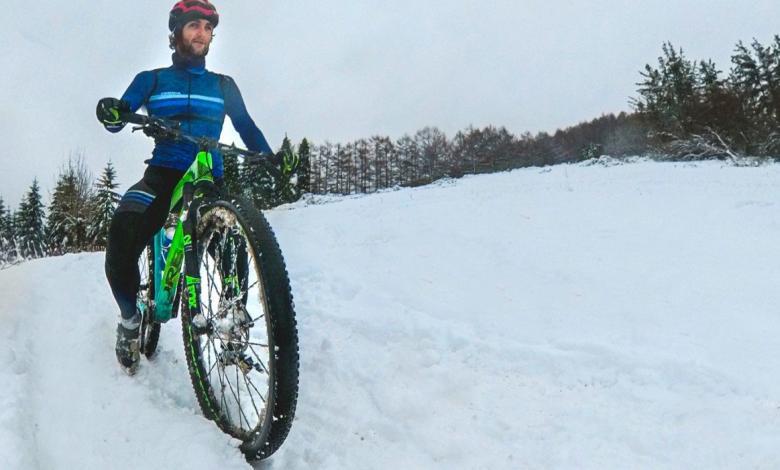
571 317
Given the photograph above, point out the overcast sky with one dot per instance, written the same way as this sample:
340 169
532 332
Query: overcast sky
341 70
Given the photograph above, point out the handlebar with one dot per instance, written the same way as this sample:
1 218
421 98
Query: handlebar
134 118
161 128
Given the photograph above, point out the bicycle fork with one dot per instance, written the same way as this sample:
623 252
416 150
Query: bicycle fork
191 258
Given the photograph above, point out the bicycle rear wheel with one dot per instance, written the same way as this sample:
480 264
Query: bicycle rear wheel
244 368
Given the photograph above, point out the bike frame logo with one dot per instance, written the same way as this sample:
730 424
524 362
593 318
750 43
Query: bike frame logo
192 287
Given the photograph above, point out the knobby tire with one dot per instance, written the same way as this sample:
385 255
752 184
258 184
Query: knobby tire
275 297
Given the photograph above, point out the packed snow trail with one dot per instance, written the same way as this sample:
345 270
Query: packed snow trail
77 409
570 317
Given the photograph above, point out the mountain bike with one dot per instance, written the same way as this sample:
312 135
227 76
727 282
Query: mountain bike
219 259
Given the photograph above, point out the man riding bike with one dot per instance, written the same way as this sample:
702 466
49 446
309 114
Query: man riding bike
200 100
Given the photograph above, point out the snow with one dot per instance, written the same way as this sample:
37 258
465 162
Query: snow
578 316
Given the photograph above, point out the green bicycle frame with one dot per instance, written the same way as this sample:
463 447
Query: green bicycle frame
168 270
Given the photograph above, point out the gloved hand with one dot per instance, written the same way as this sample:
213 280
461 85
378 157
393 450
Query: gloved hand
108 111
289 162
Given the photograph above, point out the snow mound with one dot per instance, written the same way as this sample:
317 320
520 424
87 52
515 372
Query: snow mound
584 316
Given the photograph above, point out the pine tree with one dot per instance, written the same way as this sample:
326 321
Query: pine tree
755 82
258 185
745 80
69 212
232 175
29 224
304 168
9 235
769 72
59 228
668 93
745 75
102 208
285 185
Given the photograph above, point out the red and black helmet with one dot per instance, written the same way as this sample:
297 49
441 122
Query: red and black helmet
188 10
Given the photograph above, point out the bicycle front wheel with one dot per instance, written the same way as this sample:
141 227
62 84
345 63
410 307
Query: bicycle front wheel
243 353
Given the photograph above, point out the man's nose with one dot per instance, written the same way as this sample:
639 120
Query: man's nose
201 30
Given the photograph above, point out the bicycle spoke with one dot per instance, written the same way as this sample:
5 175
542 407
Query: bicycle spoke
233 392
206 264
229 386
222 391
239 399
254 405
262 364
210 289
210 279
216 360
258 391
206 256
226 384
253 285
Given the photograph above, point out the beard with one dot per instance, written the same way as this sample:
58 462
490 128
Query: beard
189 50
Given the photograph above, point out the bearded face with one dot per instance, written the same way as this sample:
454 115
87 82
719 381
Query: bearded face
195 38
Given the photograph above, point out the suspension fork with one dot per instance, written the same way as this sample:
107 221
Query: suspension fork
193 199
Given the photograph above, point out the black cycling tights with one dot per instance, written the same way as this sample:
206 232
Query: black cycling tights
141 212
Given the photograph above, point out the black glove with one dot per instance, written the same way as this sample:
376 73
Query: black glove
108 112
288 162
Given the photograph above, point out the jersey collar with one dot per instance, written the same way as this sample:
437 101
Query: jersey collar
194 65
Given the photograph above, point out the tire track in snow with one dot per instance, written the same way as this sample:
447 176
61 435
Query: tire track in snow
89 414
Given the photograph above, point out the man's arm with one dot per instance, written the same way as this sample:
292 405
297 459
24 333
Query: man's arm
132 99
235 108
139 90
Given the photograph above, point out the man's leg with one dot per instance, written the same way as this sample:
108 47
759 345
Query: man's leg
141 212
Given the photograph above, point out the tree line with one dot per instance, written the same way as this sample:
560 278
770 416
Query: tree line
77 219
379 162
694 111
684 110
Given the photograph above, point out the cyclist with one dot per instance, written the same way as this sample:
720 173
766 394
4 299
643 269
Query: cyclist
200 100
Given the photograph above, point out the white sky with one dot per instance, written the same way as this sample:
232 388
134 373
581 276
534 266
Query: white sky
341 70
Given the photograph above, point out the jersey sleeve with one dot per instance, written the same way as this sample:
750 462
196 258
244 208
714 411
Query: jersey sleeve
135 95
246 127
139 90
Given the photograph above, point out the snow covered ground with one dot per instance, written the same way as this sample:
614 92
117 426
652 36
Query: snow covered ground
570 317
